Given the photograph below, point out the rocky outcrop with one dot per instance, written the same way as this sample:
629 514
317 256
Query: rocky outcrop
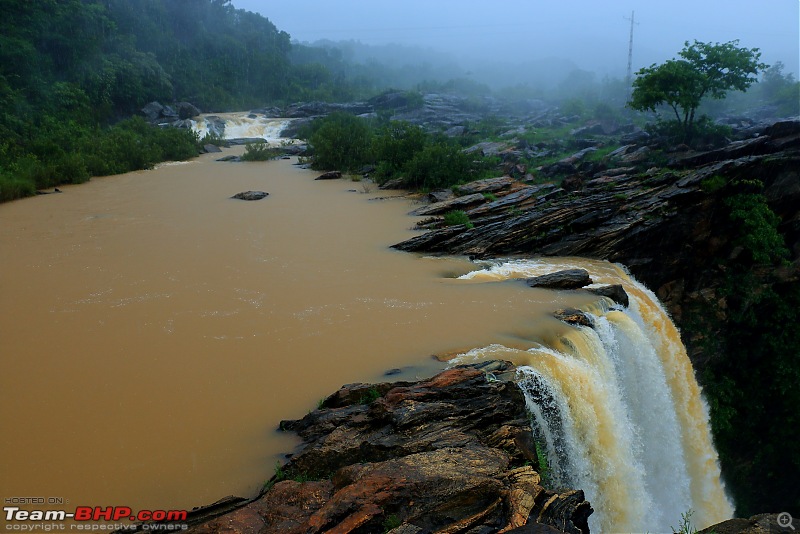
454 453
630 215
157 113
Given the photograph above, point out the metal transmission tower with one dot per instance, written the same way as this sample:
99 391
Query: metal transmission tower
630 57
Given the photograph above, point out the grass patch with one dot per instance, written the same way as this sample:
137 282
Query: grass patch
391 522
456 217
12 187
369 396
713 183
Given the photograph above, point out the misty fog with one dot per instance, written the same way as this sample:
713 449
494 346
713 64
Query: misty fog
535 43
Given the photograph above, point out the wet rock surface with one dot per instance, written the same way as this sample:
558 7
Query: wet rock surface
454 453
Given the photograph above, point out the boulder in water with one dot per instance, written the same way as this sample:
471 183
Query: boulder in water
331 175
615 292
566 279
251 195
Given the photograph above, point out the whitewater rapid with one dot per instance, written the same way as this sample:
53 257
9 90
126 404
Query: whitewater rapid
241 125
617 408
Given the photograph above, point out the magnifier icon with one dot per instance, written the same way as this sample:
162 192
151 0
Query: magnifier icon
785 520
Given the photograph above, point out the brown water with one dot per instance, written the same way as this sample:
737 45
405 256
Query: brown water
154 331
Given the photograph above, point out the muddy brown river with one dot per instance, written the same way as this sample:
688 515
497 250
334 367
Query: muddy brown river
154 331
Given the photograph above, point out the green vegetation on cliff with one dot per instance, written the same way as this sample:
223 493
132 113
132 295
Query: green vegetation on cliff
751 377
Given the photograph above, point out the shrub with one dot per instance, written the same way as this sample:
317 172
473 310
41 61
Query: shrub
438 165
395 144
259 152
759 227
341 141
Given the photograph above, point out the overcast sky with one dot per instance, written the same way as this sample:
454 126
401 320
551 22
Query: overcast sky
592 33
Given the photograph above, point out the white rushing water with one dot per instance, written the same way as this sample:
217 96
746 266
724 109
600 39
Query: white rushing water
242 125
618 409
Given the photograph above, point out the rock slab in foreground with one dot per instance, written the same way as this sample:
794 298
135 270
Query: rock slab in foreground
454 453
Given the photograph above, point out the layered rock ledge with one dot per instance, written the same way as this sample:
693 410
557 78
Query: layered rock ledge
453 453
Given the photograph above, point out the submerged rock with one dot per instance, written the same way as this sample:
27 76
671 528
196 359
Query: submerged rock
453 453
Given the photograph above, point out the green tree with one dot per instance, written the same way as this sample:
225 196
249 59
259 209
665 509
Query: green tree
703 70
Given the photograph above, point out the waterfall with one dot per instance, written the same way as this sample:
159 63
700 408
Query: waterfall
618 409
242 126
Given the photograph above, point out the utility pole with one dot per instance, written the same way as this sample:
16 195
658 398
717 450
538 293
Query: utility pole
628 79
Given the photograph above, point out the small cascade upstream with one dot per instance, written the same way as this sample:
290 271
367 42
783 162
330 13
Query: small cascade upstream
617 408
242 126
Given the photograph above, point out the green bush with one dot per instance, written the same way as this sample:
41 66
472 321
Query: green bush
395 144
259 152
439 165
759 227
341 141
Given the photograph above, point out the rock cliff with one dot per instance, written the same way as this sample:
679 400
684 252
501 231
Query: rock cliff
454 453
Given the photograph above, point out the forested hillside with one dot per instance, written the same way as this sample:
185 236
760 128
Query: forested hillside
69 69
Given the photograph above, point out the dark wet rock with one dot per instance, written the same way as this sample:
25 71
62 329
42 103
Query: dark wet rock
637 156
635 138
441 195
396 183
487 148
572 183
566 279
453 453
615 292
250 195
330 175
186 110
152 111
784 128
489 185
209 148
244 140
316 109
457 203
230 157
574 316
